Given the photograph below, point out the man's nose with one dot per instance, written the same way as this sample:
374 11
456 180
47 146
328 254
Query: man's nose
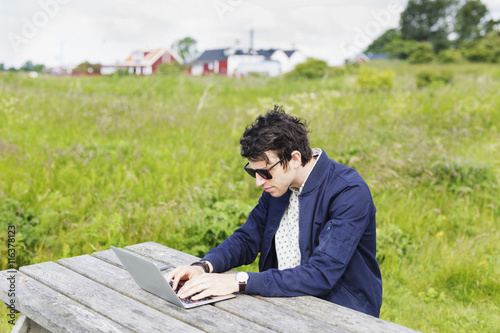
259 181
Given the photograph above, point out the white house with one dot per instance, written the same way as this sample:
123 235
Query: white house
237 63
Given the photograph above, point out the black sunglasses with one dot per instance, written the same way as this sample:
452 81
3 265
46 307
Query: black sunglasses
264 173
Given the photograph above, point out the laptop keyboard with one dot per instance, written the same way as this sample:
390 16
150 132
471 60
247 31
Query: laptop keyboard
188 300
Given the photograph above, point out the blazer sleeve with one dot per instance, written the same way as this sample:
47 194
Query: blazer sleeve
350 214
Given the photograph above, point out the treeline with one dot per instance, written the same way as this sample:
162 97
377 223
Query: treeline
446 30
28 66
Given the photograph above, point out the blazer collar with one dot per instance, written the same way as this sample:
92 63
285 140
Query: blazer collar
318 173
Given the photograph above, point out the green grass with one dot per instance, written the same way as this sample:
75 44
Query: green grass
90 162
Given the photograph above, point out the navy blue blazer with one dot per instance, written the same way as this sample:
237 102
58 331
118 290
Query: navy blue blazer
337 240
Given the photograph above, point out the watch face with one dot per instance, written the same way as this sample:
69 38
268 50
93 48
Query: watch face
242 277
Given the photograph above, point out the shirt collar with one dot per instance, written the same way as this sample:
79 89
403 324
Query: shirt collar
316 153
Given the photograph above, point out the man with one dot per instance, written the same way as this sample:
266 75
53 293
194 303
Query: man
314 226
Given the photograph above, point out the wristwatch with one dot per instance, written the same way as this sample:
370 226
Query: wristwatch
242 278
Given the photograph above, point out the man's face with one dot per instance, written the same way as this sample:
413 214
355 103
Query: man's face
282 177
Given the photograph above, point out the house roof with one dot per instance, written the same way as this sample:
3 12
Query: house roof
222 54
267 53
148 58
210 55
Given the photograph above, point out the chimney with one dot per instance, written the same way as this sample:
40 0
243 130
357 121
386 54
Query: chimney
251 39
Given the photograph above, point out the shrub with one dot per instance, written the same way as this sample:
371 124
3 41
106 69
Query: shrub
370 79
170 69
486 49
449 56
476 52
310 69
391 241
122 72
463 174
427 77
421 54
214 224
336 71
27 231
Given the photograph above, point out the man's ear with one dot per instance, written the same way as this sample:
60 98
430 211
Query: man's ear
296 160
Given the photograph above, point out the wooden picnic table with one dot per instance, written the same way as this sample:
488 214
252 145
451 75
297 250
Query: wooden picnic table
94 293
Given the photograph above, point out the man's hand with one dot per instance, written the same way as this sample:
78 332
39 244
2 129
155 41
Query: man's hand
209 284
183 273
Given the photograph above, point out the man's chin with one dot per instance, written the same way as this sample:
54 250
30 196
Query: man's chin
276 194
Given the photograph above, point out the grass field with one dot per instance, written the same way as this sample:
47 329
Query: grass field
90 162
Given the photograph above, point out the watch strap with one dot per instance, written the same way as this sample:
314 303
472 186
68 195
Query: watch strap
242 278
203 264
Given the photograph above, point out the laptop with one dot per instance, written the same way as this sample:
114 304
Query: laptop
150 278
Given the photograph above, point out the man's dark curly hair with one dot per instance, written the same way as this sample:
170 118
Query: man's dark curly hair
278 132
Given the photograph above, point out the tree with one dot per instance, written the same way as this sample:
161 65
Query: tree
2 68
87 68
28 66
379 45
428 21
470 22
186 49
491 25
400 48
391 43
38 68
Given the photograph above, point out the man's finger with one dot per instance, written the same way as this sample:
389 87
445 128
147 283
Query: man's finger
204 293
189 288
177 278
176 275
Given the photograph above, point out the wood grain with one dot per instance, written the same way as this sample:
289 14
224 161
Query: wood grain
52 310
118 307
336 315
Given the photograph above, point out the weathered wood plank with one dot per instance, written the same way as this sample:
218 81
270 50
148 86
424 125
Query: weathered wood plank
118 307
53 310
26 325
207 318
275 317
336 315
162 253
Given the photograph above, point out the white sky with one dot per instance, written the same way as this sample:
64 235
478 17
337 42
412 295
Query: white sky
55 32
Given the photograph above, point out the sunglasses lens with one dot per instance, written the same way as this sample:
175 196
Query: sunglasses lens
264 174
251 172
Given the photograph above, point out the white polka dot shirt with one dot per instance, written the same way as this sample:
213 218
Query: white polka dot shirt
287 236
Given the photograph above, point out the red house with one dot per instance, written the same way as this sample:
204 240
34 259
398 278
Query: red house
211 61
144 62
